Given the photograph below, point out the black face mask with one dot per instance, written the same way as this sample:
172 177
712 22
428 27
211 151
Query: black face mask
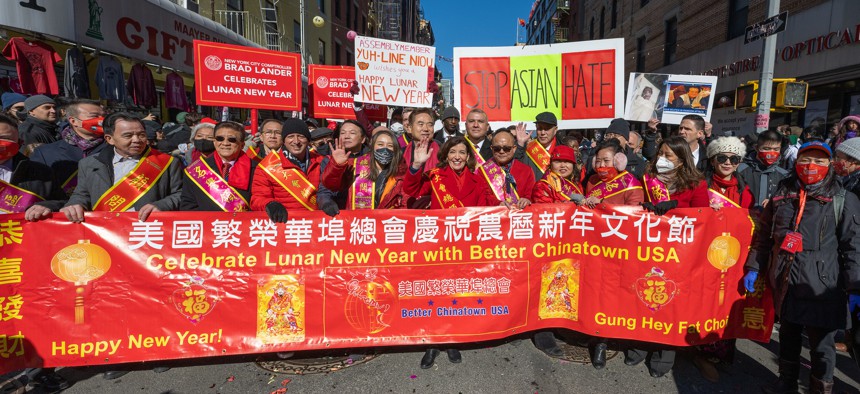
204 146
21 115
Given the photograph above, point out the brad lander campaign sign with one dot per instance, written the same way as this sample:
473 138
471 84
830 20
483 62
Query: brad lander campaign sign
245 77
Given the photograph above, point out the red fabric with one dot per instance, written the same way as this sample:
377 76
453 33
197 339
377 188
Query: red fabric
265 190
430 163
338 178
696 197
34 62
544 193
474 193
523 175
141 86
240 172
630 197
174 92
730 186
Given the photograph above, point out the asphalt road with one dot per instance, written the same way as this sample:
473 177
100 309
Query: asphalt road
512 366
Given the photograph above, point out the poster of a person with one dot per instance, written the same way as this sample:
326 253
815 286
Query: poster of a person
688 94
645 94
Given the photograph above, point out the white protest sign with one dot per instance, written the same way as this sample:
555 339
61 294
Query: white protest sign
393 72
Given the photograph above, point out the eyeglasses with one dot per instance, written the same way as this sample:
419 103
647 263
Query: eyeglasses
231 140
505 149
735 160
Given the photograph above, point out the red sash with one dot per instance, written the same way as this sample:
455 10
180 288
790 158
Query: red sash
538 155
221 193
123 194
292 180
401 139
621 183
655 190
478 158
563 186
14 199
440 191
363 189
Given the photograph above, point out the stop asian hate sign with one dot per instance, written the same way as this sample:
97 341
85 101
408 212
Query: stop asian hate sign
245 77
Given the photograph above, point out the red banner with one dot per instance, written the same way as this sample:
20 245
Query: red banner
245 77
183 284
330 96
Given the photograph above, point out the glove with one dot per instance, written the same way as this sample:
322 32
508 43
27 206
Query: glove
749 281
276 211
330 208
661 207
354 89
854 305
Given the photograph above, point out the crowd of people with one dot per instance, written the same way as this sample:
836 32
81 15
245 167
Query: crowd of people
800 186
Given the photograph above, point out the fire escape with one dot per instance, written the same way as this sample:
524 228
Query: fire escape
561 21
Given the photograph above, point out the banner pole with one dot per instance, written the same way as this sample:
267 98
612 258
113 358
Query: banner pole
254 121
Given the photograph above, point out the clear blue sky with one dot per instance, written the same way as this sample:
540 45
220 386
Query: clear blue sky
473 23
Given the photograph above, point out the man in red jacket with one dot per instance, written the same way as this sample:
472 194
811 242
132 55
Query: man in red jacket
510 180
290 178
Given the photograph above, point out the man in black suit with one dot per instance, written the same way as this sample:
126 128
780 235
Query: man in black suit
477 132
450 126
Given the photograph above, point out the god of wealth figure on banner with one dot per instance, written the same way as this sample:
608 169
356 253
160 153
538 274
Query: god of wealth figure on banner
281 310
559 297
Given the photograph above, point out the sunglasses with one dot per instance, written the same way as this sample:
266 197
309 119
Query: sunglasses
505 149
231 140
735 160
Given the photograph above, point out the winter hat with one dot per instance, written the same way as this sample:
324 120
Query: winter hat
727 144
620 127
180 117
11 98
321 132
151 127
816 145
295 126
851 148
34 102
546 117
450 112
563 153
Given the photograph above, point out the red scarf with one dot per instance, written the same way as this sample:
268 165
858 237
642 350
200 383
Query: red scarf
240 172
460 178
730 186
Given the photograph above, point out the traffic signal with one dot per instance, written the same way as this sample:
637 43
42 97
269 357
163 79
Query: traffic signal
791 94
746 96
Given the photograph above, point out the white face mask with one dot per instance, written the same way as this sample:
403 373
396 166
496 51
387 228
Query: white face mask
664 165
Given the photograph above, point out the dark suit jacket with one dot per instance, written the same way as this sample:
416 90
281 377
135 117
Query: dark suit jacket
195 199
33 177
439 136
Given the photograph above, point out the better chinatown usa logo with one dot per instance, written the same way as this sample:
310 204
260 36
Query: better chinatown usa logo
213 62
322 82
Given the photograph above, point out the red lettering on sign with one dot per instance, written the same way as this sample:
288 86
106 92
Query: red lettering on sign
588 85
485 85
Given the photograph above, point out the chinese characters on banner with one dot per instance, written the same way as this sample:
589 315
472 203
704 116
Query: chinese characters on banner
393 72
221 284
244 77
582 83
330 96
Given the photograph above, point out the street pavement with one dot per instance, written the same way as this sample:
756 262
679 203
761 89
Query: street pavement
511 366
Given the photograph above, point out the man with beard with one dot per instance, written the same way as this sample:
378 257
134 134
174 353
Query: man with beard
40 127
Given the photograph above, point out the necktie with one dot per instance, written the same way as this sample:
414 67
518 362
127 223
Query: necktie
227 171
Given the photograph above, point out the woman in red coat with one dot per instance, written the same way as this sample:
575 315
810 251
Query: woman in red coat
561 183
452 183
611 184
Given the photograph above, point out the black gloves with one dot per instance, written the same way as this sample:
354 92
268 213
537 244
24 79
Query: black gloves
276 211
330 208
661 207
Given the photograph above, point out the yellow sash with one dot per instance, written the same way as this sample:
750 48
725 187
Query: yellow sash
140 180
538 155
292 180
441 192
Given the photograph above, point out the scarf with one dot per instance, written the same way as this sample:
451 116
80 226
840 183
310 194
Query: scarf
668 179
510 182
460 178
728 188
240 172
82 143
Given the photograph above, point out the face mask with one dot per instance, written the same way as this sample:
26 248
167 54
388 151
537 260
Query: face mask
768 157
204 146
8 149
606 173
664 165
94 125
839 168
850 134
383 155
21 115
811 173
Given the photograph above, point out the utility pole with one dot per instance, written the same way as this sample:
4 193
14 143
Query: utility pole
762 118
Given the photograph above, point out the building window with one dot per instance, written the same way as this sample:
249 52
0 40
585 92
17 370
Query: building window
355 17
363 25
321 5
348 19
614 23
337 54
350 60
271 25
602 19
337 8
640 53
297 36
235 18
738 13
591 29
321 56
671 44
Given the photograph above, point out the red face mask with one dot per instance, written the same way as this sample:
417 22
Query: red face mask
94 125
8 150
768 157
606 173
811 173
839 168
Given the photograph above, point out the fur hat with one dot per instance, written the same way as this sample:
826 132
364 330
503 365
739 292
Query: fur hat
727 144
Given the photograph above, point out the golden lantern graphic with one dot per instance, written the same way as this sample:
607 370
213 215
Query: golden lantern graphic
79 264
723 253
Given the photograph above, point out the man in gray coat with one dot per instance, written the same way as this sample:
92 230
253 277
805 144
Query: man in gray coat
97 175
